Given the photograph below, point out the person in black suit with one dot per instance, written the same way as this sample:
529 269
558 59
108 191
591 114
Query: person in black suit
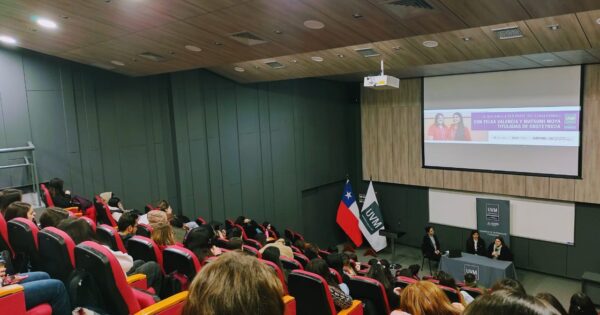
431 245
476 245
498 250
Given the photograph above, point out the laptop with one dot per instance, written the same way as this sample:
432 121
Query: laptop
455 253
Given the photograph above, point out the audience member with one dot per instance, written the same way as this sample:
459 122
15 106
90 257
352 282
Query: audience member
553 301
8 196
52 216
447 280
201 241
470 280
19 209
426 298
507 302
272 254
235 243
336 262
162 235
581 304
430 247
284 249
509 285
311 251
270 231
341 300
223 287
127 226
378 272
411 272
498 250
60 197
348 267
234 231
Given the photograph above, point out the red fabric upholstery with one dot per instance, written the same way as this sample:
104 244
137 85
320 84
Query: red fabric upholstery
451 293
252 251
144 230
57 256
296 249
109 235
367 289
279 274
42 309
181 260
311 292
302 259
244 237
144 299
143 248
336 275
91 222
103 212
254 243
4 242
201 220
34 229
110 278
22 235
47 197
403 282
14 304
90 212
290 264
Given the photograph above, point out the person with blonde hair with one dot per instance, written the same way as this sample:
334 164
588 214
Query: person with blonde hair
425 298
223 287
162 235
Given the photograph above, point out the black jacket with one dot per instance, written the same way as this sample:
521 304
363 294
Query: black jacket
427 248
505 253
480 250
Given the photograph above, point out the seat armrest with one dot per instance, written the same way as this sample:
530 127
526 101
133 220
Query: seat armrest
289 305
138 281
355 309
12 299
10 289
169 306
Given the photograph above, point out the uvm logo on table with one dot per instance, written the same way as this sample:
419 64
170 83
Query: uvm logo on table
474 269
492 212
371 218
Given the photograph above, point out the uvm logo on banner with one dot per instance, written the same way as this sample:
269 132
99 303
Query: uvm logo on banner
492 212
371 218
474 269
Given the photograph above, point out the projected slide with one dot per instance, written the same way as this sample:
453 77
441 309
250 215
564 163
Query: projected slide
523 121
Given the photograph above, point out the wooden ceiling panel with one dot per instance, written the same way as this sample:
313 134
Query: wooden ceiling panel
443 53
422 21
568 36
547 59
371 23
401 53
577 57
478 45
538 9
588 21
516 46
487 12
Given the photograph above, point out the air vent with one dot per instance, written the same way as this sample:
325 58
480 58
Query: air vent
507 32
152 56
421 4
247 38
274 64
367 52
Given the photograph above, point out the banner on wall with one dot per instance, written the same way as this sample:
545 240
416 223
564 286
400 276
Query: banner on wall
493 219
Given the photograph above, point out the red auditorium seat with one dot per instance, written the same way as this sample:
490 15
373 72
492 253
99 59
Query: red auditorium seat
290 305
145 249
290 264
254 243
181 262
251 250
12 301
451 293
103 214
91 222
474 292
56 253
200 220
4 243
301 258
144 230
312 295
22 235
109 236
403 282
244 236
118 295
336 275
323 253
279 274
46 197
296 249
370 291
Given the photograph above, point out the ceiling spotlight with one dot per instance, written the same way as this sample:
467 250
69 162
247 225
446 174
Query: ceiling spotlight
357 15
553 27
256 67
218 43
314 24
317 58
430 43
239 69
598 21
193 48
293 61
466 38
46 23
117 63
278 32
340 55
8 40
396 48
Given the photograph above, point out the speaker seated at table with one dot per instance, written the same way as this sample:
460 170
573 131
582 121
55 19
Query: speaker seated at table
498 250
475 244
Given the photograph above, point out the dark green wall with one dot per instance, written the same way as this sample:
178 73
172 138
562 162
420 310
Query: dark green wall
253 149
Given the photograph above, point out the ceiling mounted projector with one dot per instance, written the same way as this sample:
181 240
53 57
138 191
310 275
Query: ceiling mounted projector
382 81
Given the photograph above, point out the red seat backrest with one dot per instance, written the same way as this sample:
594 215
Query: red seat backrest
144 248
57 256
182 260
90 222
244 237
336 275
4 242
364 289
311 292
278 272
290 264
251 250
110 234
47 196
103 211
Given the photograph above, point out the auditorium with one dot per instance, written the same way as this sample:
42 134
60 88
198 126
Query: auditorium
310 157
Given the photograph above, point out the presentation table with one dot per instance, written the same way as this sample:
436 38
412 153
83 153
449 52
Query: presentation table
487 270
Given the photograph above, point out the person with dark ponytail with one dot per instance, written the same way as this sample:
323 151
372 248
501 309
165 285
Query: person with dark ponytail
458 131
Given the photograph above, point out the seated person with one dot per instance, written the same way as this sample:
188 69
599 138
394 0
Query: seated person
430 247
379 273
341 300
8 196
162 235
38 289
411 272
272 254
476 245
498 250
348 266
471 281
201 242
236 243
60 197
426 298
19 209
52 216
283 248
212 291
447 280
581 304
127 226
510 302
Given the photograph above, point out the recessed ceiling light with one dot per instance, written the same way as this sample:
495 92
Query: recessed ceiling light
430 43
466 38
357 15
117 63
314 24
256 67
553 27
239 69
218 43
193 48
340 55
46 23
8 40
396 48
278 32
317 58
548 60
293 61
598 21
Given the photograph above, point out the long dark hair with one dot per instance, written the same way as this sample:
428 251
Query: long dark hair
581 304
200 241
435 122
320 267
378 272
460 128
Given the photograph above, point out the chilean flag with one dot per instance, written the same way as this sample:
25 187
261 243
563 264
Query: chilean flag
347 215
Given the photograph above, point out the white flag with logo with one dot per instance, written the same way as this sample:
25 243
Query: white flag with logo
371 221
